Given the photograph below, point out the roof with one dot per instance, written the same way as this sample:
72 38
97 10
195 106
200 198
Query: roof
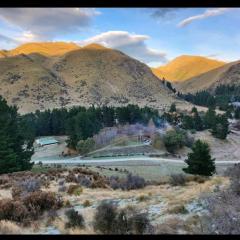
46 141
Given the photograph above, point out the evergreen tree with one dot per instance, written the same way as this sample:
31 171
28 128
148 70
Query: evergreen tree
15 149
210 118
173 108
237 113
197 121
187 122
199 160
220 129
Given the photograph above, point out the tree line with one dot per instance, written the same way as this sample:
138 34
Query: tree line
221 97
81 123
195 121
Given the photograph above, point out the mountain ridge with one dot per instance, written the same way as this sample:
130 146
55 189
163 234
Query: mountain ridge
84 76
185 67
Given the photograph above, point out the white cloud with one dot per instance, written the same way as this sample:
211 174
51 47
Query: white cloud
47 23
208 13
131 44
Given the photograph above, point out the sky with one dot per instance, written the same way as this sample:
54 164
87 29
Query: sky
154 36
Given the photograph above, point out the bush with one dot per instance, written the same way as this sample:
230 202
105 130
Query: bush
61 182
142 198
109 220
86 203
13 211
62 188
173 140
38 202
71 178
177 180
74 190
84 181
128 183
52 214
224 213
139 223
178 209
85 146
74 219
158 142
134 182
24 187
104 219
8 227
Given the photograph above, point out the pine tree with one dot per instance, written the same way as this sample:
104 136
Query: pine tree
173 108
210 118
197 121
199 160
15 148
220 129
237 113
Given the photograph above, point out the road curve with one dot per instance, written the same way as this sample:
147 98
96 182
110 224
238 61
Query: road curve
79 160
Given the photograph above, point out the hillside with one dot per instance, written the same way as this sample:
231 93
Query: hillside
185 67
89 75
44 48
227 74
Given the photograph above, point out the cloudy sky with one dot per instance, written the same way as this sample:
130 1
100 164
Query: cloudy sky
152 35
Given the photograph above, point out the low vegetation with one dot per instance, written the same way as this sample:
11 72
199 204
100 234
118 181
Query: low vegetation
110 220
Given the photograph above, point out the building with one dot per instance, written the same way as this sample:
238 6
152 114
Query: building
46 141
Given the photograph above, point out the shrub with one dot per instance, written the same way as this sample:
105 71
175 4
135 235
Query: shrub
39 201
85 146
177 180
24 187
13 211
86 203
84 181
139 223
67 203
62 188
74 190
142 198
128 183
71 177
158 142
8 227
173 140
74 219
52 214
224 213
178 209
196 178
134 182
104 219
61 182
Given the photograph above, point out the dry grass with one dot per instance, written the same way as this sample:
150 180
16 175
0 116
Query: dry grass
8 227
185 67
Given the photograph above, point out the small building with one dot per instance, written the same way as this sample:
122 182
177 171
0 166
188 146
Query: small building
46 141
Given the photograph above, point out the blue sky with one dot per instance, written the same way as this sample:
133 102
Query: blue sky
152 35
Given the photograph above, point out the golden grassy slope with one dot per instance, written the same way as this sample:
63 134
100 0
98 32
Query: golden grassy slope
185 67
3 53
227 74
89 75
44 48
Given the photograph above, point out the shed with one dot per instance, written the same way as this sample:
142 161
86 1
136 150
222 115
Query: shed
46 141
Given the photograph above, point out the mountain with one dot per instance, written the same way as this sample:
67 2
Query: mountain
89 75
44 48
227 74
185 67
